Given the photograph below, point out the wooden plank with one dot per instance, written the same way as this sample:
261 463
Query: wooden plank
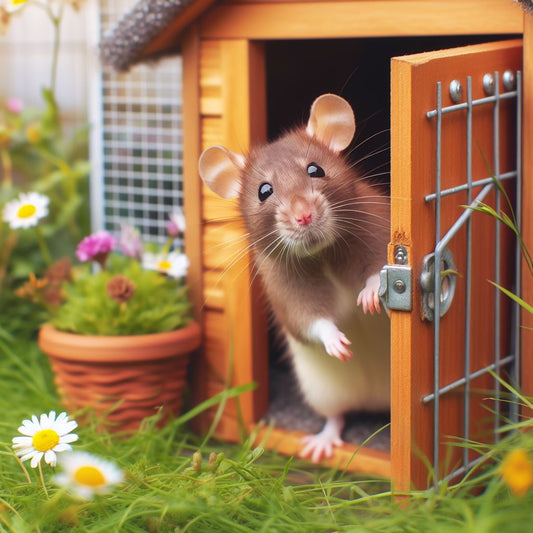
414 80
347 456
213 290
168 38
192 191
211 130
527 203
218 209
210 82
364 18
244 119
233 111
224 248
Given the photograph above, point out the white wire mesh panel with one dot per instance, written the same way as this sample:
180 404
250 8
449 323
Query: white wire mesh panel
141 139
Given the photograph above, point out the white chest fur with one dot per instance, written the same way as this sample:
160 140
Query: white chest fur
361 383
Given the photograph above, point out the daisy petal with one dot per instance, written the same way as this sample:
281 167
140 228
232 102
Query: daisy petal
67 428
20 449
62 447
71 437
28 428
25 457
50 458
52 417
36 459
84 492
22 441
26 431
61 417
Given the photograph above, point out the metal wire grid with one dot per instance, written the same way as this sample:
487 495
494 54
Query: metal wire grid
487 185
141 141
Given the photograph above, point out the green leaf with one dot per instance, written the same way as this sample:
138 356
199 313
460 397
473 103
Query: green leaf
514 297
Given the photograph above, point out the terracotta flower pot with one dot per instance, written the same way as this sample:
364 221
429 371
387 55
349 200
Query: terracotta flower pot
125 378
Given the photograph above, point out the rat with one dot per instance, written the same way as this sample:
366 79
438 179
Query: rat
319 233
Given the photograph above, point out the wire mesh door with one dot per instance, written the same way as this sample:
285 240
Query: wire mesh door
497 193
451 154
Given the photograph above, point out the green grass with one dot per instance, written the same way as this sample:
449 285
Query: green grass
176 483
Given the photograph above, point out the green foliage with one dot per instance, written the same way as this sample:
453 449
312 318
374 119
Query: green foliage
176 482
36 155
158 303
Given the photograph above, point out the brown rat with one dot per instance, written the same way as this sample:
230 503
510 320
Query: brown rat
319 234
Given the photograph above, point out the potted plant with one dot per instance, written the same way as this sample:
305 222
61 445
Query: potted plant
120 332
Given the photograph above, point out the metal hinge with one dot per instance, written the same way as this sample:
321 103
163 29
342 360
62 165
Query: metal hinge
395 288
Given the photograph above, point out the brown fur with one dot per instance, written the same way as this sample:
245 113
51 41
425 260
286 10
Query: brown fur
299 284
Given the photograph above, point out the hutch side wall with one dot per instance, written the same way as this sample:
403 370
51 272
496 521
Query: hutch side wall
235 346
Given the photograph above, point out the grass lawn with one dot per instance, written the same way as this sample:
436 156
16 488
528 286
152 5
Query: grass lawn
175 482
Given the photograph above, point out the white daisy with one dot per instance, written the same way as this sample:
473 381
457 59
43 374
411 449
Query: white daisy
44 437
26 210
85 474
173 264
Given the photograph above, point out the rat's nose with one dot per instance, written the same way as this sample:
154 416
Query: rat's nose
302 211
304 219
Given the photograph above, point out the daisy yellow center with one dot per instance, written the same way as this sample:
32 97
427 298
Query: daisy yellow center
89 475
45 440
26 211
164 265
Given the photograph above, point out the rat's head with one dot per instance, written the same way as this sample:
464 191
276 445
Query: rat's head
291 190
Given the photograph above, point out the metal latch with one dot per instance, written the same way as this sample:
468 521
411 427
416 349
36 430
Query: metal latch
395 287
445 289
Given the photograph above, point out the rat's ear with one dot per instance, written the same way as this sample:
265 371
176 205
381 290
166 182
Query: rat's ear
332 122
220 169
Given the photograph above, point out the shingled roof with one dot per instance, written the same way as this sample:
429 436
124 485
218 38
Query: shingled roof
125 44
128 41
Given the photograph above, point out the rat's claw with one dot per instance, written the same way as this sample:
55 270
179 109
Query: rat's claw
335 342
337 346
316 449
369 297
320 446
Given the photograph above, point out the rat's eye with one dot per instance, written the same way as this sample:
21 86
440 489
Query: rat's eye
265 190
315 171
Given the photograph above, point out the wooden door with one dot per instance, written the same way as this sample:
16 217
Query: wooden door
475 333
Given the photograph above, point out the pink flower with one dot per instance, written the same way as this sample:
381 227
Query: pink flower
14 105
96 247
129 242
176 224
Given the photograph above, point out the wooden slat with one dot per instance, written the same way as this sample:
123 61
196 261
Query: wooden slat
213 290
233 113
224 247
364 460
211 131
527 203
216 209
191 184
364 18
414 80
210 79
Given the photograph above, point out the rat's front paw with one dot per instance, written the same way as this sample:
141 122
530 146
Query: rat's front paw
337 344
369 297
320 446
